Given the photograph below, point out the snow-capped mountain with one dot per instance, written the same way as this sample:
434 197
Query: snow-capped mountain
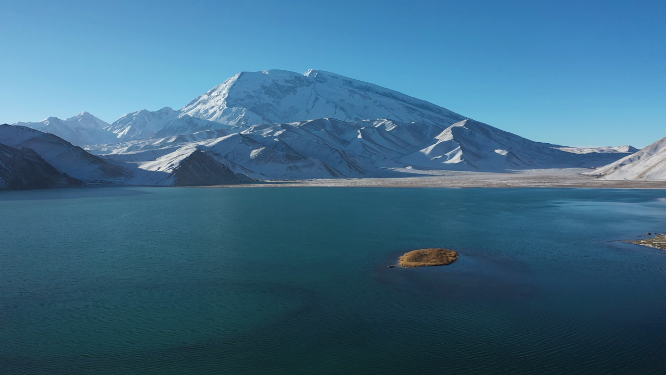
22 168
63 156
277 124
646 164
82 129
278 96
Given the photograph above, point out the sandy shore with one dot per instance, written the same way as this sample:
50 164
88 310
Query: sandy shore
545 178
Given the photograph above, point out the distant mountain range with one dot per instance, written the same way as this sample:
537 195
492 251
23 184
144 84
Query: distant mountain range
82 129
282 125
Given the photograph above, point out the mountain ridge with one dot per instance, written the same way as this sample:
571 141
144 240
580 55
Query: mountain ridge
64 156
22 168
330 148
648 163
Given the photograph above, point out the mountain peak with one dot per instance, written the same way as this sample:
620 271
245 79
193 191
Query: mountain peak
86 120
280 96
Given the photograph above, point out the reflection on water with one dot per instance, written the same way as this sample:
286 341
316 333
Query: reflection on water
294 280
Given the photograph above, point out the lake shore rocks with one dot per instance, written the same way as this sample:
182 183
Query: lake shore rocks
657 242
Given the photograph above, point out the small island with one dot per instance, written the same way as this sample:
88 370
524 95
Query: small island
658 242
427 257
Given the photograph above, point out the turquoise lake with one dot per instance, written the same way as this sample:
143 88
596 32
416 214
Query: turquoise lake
295 281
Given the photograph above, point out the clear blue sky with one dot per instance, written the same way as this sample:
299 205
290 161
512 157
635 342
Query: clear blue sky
568 72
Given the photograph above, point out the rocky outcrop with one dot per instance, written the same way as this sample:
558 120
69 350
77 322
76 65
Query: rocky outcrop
657 242
428 257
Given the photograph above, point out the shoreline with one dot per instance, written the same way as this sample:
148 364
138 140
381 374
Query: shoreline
559 178
656 242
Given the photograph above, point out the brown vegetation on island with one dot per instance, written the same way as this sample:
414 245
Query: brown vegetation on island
427 257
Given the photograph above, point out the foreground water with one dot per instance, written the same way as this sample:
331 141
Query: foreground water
295 280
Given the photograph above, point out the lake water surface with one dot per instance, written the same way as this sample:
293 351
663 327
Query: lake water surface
295 280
